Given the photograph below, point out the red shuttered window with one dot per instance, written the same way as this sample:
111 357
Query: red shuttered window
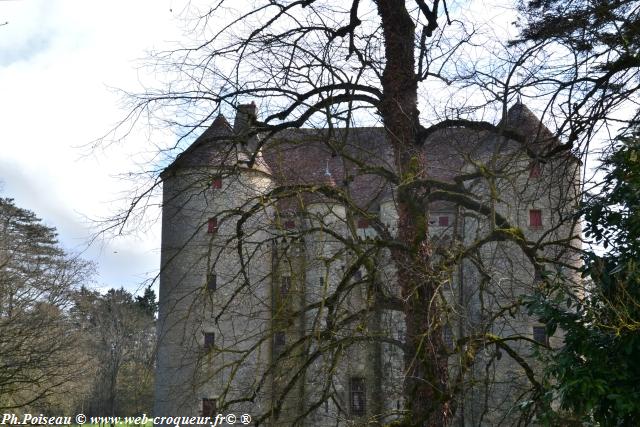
212 225
535 218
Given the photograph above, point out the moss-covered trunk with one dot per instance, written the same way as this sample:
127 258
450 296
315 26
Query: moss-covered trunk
426 362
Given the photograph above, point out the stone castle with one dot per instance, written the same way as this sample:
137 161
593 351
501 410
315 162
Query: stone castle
277 289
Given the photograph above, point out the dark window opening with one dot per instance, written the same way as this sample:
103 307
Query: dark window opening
443 221
535 218
212 283
212 225
447 336
279 340
540 335
358 397
285 287
289 224
538 278
363 223
209 340
357 276
216 184
209 408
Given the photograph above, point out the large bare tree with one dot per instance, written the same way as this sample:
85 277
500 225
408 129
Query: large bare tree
317 64
37 339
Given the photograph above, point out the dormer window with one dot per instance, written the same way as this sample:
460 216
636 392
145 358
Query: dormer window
216 184
212 225
535 169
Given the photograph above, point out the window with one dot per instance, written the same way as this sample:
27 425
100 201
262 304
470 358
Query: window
538 278
540 335
216 184
535 170
209 340
447 336
358 397
443 221
357 276
289 224
535 218
212 282
285 287
279 340
212 225
209 407
363 223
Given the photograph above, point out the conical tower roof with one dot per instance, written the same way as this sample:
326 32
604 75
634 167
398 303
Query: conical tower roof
219 146
521 119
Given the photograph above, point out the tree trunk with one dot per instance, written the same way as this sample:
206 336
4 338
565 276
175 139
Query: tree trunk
425 361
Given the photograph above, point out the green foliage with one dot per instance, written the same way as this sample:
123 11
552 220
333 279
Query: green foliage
38 364
596 375
147 302
119 336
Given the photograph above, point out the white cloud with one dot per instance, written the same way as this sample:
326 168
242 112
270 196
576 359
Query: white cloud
58 60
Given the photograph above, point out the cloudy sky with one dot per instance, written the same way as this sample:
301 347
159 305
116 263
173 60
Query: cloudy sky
59 63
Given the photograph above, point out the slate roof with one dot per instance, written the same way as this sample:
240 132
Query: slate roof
303 156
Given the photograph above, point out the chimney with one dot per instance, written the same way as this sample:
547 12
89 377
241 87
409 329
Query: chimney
245 118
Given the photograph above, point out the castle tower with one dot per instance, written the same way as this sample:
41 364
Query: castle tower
208 278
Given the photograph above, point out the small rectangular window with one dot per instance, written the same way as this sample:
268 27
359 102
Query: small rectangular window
285 287
289 224
209 340
216 184
209 407
538 278
443 221
358 397
363 223
212 282
279 340
535 218
535 170
540 335
357 276
447 336
212 225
